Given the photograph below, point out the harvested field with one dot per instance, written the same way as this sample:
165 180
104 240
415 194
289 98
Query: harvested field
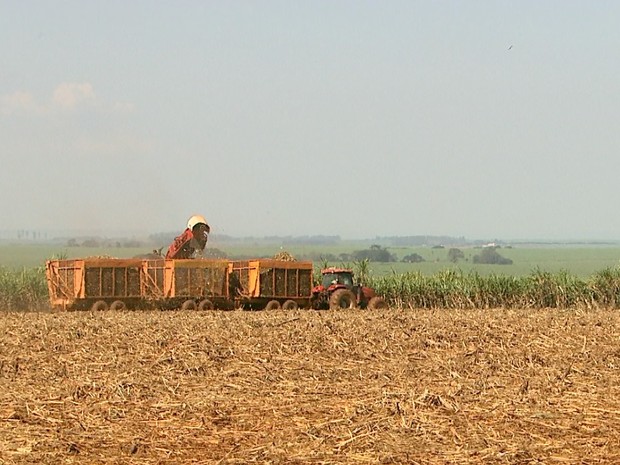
400 386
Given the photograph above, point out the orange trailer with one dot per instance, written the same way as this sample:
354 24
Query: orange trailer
270 283
101 283
96 283
196 283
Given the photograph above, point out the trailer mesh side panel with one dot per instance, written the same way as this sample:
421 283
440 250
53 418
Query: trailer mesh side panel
286 282
129 276
280 282
92 280
291 283
240 278
207 280
112 281
266 282
305 283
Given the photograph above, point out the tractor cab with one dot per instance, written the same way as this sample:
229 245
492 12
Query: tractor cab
337 277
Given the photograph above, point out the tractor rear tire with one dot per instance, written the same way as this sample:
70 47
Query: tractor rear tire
377 303
290 305
118 305
342 298
272 305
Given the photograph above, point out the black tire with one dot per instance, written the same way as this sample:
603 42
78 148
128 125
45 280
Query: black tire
205 304
272 305
342 298
118 305
290 305
100 306
189 305
377 303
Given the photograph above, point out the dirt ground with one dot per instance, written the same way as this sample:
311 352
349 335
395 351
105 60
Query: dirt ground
397 386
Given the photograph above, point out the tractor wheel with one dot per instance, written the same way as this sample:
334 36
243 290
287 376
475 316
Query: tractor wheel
342 298
272 305
99 306
189 305
205 304
118 305
290 305
377 303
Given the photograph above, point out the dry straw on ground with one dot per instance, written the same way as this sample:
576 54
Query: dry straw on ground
400 386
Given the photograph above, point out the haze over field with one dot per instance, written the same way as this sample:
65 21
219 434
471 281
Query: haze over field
483 119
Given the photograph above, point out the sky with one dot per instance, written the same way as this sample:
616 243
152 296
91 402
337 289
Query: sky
482 119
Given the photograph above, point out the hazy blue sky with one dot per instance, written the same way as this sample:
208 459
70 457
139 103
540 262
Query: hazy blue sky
483 119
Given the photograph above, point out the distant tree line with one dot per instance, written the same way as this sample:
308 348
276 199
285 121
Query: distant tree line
375 253
96 243
413 258
31 235
417 241
490 256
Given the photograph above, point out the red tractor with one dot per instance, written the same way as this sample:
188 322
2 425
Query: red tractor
338 290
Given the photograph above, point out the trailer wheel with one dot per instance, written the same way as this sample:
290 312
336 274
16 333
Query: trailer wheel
189 305
99 306
290 305
272 305
377 303
342 298
118 305
205 304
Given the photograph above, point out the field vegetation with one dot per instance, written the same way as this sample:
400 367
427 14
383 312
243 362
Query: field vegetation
581 261
466 366
24 289
540 289
445 278
27 289
398 386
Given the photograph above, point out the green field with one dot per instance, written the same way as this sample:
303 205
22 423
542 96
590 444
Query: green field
539 277
32 256
581 261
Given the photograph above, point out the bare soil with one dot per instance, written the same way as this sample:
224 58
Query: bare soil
394 386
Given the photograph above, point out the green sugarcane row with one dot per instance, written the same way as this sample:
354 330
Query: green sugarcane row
540 289
26 289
